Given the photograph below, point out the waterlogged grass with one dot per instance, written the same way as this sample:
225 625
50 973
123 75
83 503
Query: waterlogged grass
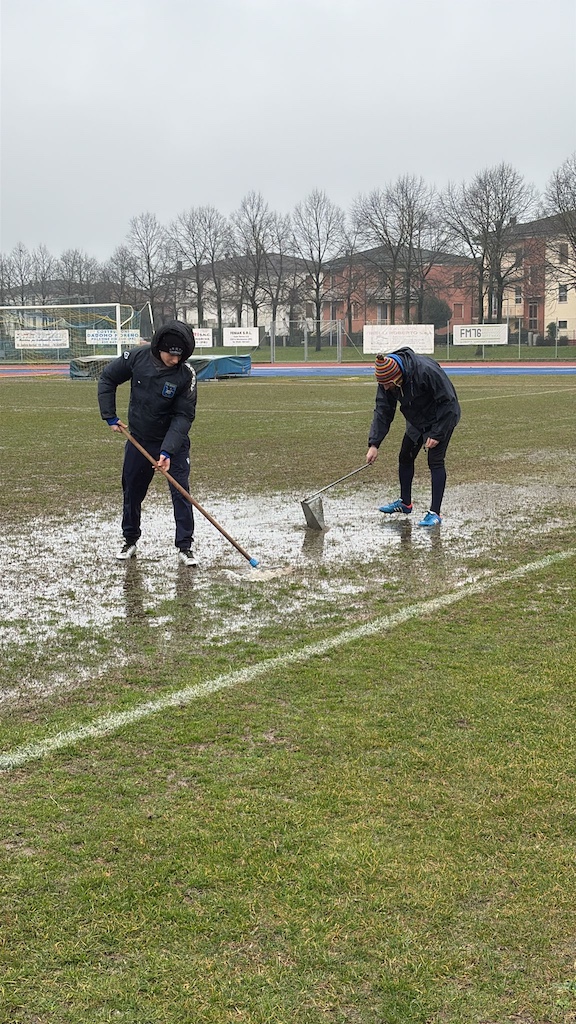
381 835
256 435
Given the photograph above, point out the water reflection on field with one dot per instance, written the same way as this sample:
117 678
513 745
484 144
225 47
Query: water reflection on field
65 576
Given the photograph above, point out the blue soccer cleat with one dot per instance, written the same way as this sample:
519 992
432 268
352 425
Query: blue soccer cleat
431 519
396 506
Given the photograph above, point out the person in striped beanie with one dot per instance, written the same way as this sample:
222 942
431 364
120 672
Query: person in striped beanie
429 403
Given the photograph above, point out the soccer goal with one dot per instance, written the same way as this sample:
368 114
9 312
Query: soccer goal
40 334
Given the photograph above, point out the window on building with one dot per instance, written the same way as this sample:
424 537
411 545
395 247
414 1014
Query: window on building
382 312
562 325
533 316
310 312
563 252
458 279
533 275
562 293
518 296
458 310
519 258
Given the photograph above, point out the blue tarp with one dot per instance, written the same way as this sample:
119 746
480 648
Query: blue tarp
215 367
206 367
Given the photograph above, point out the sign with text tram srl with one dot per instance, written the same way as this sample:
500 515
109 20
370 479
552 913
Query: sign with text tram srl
480 334
388 337
241 337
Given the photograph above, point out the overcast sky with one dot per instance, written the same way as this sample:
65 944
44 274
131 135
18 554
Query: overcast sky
115 108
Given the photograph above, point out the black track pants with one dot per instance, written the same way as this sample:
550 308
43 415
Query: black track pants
411 444
137 474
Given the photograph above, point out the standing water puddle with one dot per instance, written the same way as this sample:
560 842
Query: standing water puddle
67 577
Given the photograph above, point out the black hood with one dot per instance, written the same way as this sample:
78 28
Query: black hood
184 332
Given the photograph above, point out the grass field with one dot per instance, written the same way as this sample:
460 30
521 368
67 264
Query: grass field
343 794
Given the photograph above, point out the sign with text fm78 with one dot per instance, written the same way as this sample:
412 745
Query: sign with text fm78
108 337
41 339
481 334
247 337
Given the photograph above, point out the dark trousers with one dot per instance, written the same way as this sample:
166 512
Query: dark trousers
411 444
137 474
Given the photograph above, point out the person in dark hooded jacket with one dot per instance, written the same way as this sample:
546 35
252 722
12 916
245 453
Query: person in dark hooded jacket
161 410
429 403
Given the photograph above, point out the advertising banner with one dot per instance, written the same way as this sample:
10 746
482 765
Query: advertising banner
388 337
203 337
480 334
41 339
241 337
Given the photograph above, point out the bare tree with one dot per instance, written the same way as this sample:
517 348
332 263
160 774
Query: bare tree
428 246
413 203
188 233
77 273
318 232
152 263
351 274
561 203
252 228
481 218
217 233
43 271
381 223
21 263
118 276
511 199
6 280
279 266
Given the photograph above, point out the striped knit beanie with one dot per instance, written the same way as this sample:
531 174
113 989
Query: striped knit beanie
387 370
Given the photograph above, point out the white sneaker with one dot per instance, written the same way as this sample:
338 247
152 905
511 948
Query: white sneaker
128 550
187 557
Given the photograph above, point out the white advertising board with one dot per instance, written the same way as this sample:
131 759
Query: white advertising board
203 337
388 337
480 334
246 337
41 339
110 337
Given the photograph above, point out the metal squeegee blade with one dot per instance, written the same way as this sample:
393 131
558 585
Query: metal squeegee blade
314 513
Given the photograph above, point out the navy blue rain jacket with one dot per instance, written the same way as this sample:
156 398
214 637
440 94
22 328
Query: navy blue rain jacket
162 403
427 399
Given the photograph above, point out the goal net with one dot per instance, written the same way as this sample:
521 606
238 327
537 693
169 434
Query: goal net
48 334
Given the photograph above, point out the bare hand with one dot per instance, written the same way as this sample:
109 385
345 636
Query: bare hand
164 463
371 454
430 443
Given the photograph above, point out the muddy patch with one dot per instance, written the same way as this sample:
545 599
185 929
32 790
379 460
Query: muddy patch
62 587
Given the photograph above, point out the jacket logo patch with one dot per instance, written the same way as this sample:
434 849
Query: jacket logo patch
169 390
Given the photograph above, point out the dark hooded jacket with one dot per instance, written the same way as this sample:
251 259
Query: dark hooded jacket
162 398
427 399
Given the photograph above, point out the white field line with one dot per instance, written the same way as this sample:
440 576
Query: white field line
107 724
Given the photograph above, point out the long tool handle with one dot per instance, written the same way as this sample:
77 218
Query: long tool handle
187 495
354 471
